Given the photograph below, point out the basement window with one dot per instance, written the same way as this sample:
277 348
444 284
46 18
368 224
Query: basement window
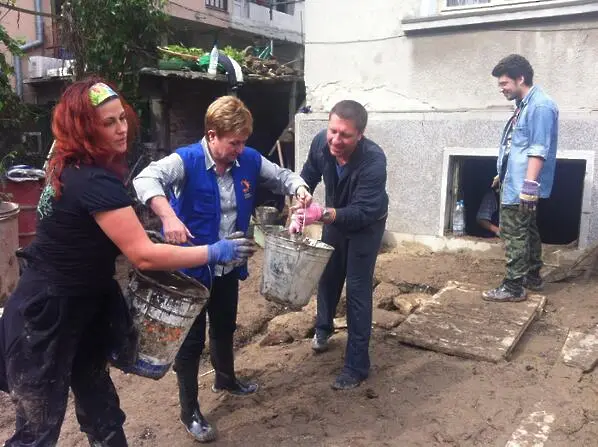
559 217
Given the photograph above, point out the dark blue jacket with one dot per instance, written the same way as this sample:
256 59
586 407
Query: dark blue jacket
359 195
198 204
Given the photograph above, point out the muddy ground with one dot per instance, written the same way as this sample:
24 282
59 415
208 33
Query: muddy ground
412 398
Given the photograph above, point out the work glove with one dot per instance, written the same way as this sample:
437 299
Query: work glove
295 226
309 215
528 198
230 250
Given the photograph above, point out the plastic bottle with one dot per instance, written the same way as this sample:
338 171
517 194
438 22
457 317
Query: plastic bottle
213 66
459 219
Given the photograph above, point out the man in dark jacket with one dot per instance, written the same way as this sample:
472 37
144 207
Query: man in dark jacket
354 172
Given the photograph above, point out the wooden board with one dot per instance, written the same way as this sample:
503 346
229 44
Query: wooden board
457 321
581 350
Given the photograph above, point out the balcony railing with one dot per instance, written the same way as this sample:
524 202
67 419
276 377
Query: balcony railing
286 7
220 5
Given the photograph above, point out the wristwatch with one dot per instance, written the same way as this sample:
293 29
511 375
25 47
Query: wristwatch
327 215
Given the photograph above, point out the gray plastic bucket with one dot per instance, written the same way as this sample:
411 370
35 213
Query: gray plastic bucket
163 306
292 268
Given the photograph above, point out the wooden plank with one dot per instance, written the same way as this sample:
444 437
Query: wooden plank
457 321
581 350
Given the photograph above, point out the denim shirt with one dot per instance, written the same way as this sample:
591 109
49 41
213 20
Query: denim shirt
535 134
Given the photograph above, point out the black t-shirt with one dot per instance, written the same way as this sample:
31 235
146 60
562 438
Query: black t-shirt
70 248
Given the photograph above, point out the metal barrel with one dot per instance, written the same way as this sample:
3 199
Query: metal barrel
292 269
9 242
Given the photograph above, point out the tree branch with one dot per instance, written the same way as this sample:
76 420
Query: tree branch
29 11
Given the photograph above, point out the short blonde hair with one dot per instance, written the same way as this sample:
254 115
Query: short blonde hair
228 114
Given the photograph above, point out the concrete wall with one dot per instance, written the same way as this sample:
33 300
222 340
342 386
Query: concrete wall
195 10
21 26
432 91
390 71
254 18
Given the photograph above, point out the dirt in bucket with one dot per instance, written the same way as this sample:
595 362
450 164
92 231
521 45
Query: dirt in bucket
175 281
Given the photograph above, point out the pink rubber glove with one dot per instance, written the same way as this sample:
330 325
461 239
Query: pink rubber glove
311 214
295 226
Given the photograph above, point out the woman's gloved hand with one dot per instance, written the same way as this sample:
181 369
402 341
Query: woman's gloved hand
230 250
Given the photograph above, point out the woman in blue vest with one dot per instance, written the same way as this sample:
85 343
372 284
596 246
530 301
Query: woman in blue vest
212 186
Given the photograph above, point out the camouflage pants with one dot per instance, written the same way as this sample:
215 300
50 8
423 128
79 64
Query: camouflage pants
519 231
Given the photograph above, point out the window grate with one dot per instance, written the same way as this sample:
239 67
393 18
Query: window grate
220 5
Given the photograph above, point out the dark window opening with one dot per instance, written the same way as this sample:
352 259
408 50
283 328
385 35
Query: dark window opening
559 216
220 5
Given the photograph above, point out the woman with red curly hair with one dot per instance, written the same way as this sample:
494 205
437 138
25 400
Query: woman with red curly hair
58 326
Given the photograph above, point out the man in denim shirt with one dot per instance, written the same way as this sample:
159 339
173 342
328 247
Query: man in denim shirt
525 166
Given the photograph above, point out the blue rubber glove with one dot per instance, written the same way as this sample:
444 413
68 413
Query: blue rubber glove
229 250
528 199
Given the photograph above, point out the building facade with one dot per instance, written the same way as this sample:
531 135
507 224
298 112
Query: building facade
423 70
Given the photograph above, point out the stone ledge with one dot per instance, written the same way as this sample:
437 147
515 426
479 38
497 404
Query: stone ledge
496 15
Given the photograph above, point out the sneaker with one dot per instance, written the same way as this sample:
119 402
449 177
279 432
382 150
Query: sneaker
237 388
533 282
320 342
503 295
345 381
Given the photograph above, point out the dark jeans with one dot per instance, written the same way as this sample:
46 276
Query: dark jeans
523 245
52 342
222 312
354 258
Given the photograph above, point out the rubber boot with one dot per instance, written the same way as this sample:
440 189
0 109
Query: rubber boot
115 439
223 360
191 416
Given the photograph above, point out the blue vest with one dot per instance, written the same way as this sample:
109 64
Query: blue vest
198 204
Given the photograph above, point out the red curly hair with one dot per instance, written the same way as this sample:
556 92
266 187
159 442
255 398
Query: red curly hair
77 141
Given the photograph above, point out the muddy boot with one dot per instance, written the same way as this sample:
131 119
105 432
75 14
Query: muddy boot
191 417
533 281
115 439
223 361
508 291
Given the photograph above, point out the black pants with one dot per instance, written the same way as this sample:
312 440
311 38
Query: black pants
222 312
354 258
53 341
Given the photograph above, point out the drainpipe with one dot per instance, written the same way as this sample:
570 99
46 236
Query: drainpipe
39 40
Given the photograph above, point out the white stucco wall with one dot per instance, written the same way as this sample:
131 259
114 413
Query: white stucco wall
389 71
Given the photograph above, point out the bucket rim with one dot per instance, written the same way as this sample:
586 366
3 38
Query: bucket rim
12 210
321 245
205 293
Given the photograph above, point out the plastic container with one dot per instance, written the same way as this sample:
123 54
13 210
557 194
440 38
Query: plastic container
213 65
292 268
459 219
25 185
